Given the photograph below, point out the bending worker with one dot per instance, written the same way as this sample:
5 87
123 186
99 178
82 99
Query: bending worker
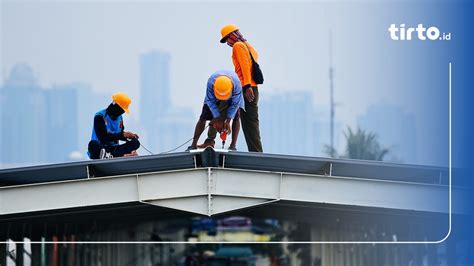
221 105
243 55
108 130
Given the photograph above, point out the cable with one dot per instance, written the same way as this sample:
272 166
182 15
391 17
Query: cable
142 146
183 143
177 147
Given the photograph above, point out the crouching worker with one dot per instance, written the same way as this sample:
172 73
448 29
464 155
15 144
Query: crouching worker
221 105
108 130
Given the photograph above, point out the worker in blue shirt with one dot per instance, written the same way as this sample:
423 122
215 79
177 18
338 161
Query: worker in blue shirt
222 104
108 130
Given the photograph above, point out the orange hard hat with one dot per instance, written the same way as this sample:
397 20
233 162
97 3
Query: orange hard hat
123 100
226 30
223 87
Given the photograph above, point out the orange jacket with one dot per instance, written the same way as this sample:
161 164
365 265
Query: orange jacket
243 62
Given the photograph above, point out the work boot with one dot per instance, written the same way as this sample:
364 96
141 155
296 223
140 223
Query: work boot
190 148
207 143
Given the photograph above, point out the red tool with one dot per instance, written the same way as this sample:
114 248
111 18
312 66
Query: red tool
223 138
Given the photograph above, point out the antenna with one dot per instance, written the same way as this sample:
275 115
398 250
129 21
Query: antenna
331 92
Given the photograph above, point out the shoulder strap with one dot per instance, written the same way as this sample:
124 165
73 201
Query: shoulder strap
248 48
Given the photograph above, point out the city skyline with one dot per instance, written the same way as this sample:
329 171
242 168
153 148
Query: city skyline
103 49
174 124
99 44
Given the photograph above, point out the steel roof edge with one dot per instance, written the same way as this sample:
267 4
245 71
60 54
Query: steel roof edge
215 158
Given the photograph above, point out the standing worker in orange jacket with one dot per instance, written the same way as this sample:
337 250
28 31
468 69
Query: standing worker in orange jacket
242 60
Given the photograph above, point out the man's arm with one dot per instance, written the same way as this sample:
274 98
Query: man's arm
214 109
127 135
243 57
232 110
101 131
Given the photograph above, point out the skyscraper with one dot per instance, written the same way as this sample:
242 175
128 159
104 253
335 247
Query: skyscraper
322 131
88 103
62 123
23 118
174 129
286 123
154 90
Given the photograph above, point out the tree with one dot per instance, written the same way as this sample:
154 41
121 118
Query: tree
360 145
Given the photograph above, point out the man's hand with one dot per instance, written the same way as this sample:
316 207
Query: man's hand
227 127
130 135
218 125
249 95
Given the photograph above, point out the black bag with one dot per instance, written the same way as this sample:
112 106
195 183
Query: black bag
257 74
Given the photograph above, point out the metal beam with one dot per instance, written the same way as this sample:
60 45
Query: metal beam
210 191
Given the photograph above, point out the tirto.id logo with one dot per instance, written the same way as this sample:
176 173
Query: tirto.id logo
401 33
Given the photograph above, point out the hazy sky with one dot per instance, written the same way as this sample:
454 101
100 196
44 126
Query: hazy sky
100 43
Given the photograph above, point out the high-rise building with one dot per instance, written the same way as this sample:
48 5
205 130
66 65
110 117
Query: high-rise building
89 102
395 129
286 123
322 131
154 91
173 129
62 123
23 118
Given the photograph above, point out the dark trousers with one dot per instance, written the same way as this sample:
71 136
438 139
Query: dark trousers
116 151
251 124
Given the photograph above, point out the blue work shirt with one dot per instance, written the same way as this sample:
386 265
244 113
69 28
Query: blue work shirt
235 101
112 127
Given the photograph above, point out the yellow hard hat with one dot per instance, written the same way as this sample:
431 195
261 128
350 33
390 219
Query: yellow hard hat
123 100
223 87
226 30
